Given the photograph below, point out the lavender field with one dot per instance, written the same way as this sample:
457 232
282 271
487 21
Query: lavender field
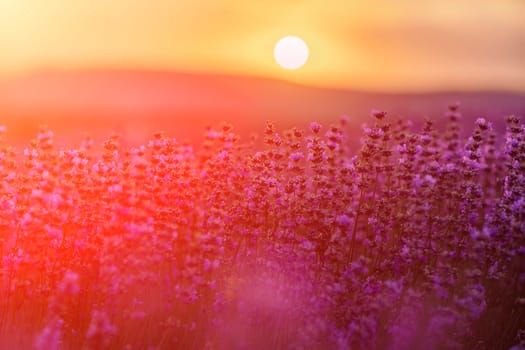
295 240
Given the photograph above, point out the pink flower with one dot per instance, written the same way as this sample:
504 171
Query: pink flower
378 114
315 127
70 283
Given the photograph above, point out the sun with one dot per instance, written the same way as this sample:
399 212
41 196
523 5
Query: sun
291 52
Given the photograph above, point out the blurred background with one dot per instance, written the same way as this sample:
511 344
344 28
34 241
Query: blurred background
137 66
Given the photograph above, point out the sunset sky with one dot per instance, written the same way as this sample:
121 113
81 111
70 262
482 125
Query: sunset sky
402 45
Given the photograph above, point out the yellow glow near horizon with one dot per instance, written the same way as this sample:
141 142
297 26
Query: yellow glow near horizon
376 44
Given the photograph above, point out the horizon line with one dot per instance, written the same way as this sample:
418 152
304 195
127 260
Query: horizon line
16 75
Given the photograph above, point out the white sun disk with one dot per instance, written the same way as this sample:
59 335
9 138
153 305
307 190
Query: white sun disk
291 52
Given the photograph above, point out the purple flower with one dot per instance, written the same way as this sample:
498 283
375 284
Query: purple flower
343 220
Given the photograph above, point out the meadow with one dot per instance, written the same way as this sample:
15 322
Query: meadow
412 238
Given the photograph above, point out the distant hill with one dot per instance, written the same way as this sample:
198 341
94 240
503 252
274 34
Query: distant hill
137 103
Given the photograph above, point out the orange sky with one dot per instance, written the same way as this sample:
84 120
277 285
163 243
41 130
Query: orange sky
403 45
